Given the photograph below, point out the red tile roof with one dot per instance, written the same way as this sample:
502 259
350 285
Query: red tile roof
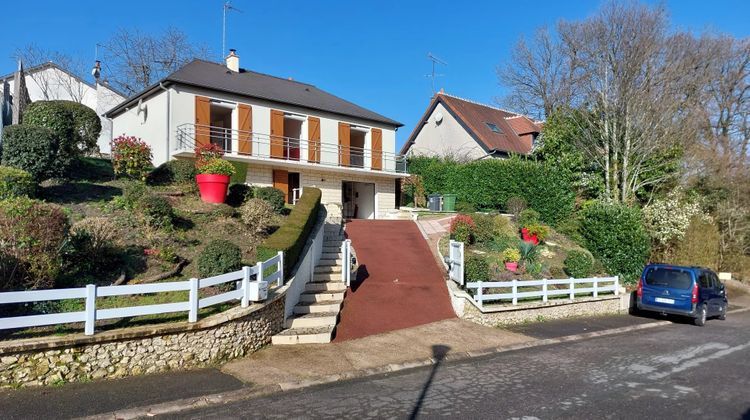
475 117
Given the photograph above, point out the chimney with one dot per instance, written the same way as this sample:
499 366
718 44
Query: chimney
233 61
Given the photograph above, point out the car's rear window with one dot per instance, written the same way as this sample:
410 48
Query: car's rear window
665 277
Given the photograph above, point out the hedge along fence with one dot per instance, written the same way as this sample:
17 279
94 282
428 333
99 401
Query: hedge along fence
291 237
489 183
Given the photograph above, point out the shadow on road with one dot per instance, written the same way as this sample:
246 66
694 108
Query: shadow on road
438 352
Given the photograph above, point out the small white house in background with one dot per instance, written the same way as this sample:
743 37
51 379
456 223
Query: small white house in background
467 130
283 133
49 81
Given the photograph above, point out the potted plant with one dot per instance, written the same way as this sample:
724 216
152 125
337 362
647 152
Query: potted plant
213 180
511 256
534 233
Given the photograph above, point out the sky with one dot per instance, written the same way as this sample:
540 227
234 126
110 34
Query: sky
373 53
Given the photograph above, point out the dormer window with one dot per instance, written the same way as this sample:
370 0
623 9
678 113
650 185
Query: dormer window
494 128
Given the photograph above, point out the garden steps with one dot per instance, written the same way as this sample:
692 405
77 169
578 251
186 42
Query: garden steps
313 307
322 269
315 335
313 320
314 297
323 286
322 277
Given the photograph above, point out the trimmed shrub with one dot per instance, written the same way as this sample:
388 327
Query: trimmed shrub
156 210
463 228
579 264
291 237
35 150
544 187
477 269
274 197
131 157
485 227
515 205
257 215
15 183
528 217
32 235
172 172
133 191
86 124
501 226
615 235
218 257
55 116
700 245
238 194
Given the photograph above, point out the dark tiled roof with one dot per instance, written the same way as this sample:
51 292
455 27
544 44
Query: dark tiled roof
474 118
262 86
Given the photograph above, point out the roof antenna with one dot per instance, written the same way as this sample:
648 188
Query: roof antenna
227 7
433 75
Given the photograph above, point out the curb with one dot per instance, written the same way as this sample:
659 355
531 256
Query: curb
186 404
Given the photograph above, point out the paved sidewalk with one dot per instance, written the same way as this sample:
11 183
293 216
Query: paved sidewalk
290 364
436 226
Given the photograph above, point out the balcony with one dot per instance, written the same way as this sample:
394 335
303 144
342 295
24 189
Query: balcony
270 148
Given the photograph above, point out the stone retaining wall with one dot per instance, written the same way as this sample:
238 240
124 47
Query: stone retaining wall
141 350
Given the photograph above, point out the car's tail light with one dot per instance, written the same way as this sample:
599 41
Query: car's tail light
695 293
639 289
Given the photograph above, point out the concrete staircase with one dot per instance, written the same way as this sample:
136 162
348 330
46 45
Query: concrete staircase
316 315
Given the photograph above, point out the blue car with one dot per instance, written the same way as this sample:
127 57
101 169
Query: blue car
694 292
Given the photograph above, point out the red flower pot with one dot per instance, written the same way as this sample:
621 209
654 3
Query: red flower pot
511 266
213 187
529 237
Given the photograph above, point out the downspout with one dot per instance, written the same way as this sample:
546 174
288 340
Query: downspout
169 119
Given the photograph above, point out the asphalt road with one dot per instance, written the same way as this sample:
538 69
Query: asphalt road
675 371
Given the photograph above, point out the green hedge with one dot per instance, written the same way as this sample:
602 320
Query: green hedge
15 183
615 235
489 183
35 150
291 237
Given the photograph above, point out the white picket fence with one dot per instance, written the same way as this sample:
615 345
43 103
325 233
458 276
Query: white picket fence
598 285
248 288
456 261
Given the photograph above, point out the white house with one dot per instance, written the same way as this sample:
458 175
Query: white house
467 130
287 134
49 81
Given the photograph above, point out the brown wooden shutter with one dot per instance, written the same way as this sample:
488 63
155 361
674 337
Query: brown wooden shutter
344 144
277 134
377 149
245 120
313 139
202 121
281 181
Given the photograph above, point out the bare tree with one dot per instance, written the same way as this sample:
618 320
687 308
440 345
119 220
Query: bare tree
54 83
135 60
540 76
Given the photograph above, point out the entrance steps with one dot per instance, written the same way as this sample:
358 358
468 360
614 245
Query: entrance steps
316 315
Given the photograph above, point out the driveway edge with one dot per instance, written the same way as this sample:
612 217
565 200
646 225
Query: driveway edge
186 404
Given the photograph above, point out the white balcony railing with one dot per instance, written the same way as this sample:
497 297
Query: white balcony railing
265 146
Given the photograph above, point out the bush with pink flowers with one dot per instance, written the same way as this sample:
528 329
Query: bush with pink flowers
131 157
463 228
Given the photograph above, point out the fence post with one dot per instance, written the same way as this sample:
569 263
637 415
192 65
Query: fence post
572 289
617 285
281 269
544 290
259 267
479 297
515 291
461 266
246 273
90 309
596 286
193 313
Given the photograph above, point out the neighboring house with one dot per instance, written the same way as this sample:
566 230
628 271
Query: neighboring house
49 81
287 134
467 130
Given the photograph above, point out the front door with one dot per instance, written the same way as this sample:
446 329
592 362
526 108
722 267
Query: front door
358 199
281 182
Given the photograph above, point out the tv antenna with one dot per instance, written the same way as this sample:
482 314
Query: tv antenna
227 7
433 75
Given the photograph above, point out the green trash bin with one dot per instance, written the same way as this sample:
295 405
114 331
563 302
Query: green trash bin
449 202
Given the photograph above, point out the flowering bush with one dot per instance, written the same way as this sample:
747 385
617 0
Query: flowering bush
217 166
541 231
131 157
668 219
511 255
207 153
463 228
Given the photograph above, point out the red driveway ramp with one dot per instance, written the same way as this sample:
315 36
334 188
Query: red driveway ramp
399 284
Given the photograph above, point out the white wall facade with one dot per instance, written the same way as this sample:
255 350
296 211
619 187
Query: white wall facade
330 185
445 139
51 83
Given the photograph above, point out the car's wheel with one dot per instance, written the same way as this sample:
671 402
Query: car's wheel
700 319
723 314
